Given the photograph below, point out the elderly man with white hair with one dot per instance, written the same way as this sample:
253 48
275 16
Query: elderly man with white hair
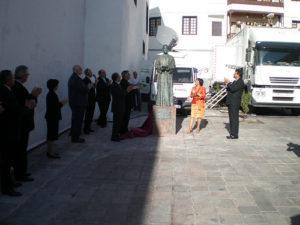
78 100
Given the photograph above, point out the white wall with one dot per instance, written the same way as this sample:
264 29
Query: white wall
291 12
47 37
114 34
52 36
198 47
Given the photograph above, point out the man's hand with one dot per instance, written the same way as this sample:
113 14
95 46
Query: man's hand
130 87
65 101
90 85
36 92
226 80
30 103
1 108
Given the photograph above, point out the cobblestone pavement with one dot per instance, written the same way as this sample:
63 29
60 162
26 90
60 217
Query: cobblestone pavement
198 179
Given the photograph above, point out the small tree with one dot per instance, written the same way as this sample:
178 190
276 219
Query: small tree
246 100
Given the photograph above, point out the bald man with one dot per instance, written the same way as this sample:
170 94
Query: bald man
78 100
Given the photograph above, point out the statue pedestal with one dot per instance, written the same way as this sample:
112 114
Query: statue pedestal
164 120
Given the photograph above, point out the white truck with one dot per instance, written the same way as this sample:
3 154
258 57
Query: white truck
184 77
270 58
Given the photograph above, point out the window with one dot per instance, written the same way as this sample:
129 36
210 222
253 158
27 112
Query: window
135 2
147 10
216 28
154 23
144 48
189 25
295 24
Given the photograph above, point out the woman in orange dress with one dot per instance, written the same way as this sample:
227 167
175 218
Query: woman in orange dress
198 104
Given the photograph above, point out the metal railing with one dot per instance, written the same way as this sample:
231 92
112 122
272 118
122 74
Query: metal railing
275 3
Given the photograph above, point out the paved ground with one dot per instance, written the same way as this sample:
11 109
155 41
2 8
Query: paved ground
198 179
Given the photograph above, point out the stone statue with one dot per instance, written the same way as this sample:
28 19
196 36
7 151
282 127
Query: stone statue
165 65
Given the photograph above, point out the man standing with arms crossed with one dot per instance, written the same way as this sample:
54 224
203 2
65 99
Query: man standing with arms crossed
233 101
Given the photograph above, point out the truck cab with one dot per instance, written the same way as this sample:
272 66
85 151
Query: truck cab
183 82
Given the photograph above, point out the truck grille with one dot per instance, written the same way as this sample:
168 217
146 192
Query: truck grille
286 99
284 80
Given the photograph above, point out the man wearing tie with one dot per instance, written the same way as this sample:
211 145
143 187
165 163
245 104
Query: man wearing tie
89 114
233 101
103 97
117 106
78 100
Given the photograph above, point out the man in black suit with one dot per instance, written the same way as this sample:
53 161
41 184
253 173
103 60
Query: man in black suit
118 106
129 100
89 113
10 128
233 101
103 97
78 100
22 95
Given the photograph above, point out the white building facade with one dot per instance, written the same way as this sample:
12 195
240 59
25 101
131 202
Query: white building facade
52 36
202 25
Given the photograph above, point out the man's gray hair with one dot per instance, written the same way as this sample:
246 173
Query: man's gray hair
21 71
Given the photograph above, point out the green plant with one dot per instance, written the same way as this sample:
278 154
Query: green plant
246 100
218 87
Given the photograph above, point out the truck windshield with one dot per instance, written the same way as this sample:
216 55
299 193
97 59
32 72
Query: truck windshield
278 55
181 75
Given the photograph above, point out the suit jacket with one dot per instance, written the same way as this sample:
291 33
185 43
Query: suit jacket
92 93
78 92
22 95
10 119
53 107
103 90
129 100
118 98
234 92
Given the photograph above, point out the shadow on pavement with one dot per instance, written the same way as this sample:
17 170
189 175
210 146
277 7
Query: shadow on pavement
294 147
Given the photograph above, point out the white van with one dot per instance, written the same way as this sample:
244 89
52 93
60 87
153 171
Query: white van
183 82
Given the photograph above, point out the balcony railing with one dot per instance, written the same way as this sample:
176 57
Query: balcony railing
274 3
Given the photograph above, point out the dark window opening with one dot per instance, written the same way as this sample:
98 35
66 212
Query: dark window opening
189 25
216 28
154 22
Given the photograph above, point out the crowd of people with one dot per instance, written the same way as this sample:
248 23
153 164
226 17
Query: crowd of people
17 106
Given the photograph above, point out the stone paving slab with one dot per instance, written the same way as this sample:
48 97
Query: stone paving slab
185 179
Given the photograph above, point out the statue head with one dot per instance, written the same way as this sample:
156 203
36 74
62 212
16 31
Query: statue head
165 49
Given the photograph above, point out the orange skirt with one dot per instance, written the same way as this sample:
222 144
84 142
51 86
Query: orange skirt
197 112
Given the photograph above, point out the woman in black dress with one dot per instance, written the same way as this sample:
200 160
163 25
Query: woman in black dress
53 115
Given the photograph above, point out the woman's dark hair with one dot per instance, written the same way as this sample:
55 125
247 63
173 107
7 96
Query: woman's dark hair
114 76
5 75
52 84
240 72
200 81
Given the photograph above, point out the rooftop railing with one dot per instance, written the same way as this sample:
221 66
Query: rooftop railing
274 3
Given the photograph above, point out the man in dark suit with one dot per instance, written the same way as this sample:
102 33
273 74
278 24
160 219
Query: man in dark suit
22 95
89 113
129 100
233 101
78 100
103 97
10 128
118 106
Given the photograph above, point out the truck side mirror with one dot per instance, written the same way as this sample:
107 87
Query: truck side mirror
248 55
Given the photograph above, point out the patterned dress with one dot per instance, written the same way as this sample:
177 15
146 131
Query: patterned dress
198 103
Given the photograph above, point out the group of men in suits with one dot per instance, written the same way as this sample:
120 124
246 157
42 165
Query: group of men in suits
17 120
84 92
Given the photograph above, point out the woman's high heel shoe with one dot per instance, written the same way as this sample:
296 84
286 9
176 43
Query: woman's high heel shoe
190 131
197 130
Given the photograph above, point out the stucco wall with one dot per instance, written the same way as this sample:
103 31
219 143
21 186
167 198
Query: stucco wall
47 37
114 34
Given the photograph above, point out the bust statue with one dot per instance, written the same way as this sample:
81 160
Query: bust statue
164 65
